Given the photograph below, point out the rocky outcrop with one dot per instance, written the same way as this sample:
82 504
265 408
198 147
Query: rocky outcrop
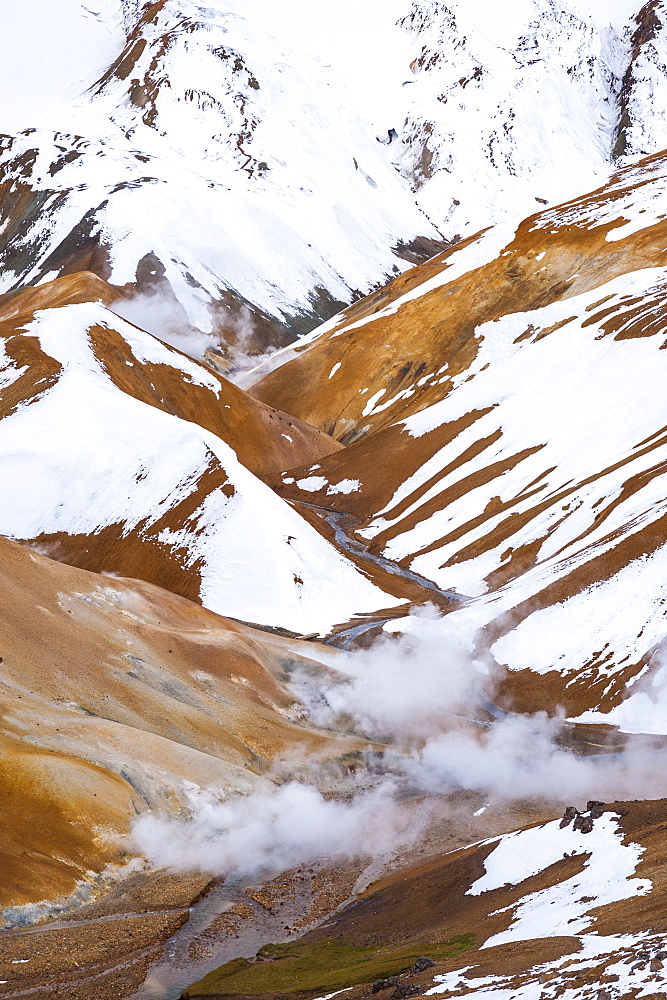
642 124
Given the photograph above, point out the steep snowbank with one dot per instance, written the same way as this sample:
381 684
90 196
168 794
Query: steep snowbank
512 105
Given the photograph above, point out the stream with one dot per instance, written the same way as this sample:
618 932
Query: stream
184 959
198 947
340 522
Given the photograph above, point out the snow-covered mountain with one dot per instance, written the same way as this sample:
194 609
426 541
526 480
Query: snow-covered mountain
226 163
511 105
234 157
435 524
510 444
116 454
641 127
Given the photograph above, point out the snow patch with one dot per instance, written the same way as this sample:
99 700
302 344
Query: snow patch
562 908
312 484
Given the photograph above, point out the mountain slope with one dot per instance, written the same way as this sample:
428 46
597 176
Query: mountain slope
540 912
104 464
469 464
510 445
550 256
119 696
233 160
264 439
642 121
510 106
227 165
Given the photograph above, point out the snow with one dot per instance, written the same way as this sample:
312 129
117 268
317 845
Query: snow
255 164
311 484
50 52
371 404
647 122
306 197
345 486
644 710
150 350
482 250
565 974
575 427
328 996
511 104
636 194
552 397
609 617
63 334
561 908
85 456
9 373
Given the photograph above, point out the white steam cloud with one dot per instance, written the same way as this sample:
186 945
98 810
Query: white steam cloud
282 827
421 700
401 690
517 757
164 318
247 364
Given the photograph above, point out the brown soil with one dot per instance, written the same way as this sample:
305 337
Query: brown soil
113 693
428 903
105 949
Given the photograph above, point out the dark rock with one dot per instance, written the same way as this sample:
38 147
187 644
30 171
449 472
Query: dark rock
570 813
405 990
421 965
578 820
595 808
422 248
655 965
586 824
384 984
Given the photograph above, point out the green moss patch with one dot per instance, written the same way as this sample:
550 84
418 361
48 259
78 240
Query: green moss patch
311 969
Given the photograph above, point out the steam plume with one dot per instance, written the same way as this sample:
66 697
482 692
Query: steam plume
424 698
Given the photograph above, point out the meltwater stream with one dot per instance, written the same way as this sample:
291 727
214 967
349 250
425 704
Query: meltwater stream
200 946
340 522
184 960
